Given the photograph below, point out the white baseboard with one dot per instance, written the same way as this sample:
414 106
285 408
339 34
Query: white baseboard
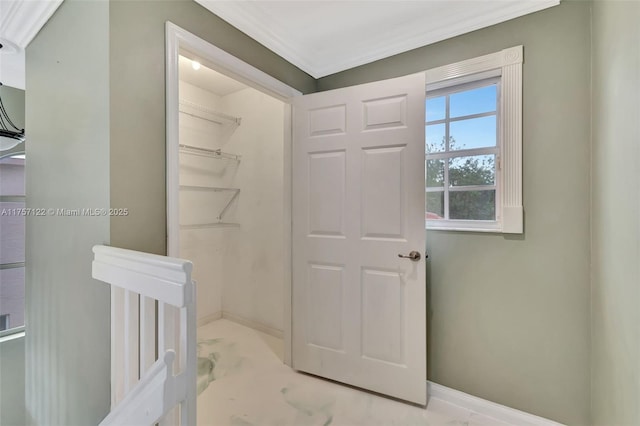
487 408
253 324
209 318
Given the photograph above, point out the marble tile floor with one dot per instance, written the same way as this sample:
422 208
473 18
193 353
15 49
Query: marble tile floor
243 382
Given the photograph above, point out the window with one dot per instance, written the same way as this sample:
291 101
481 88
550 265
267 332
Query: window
473 130
4 322
462 152
12 238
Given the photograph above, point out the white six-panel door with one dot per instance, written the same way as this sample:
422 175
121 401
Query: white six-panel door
359 310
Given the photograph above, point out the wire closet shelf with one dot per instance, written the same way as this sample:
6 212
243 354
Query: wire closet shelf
226 121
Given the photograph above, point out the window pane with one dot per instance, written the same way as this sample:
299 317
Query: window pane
435 138
474 101
11 297
435 173
472 205
474 170
435 205
436 108
474 133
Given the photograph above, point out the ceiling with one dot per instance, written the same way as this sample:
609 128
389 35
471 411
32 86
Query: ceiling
20 21
207 79
323 37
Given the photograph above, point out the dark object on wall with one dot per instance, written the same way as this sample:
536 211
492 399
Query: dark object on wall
10 134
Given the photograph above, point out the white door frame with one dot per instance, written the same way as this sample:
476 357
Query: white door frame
177 38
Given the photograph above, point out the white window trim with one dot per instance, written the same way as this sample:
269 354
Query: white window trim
508 64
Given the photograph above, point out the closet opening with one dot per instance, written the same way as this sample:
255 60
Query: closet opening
229 210
231 196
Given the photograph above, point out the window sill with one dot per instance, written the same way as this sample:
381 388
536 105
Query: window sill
465 226
12 334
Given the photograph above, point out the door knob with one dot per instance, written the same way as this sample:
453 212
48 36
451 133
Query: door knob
414 255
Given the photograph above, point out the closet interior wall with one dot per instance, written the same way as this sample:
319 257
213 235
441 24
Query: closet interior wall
238 265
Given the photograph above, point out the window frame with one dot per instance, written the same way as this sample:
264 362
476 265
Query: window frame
507 65
480 225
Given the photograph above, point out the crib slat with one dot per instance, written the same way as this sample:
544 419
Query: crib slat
162 326
117 345
167 335
147 333
189 357
131 339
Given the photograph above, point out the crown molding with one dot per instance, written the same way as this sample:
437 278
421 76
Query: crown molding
21 20
350 53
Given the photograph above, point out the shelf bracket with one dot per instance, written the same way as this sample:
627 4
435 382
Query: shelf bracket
224 210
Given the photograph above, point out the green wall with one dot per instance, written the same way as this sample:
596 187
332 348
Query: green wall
509 315
67 312
12 389
616 214
137 61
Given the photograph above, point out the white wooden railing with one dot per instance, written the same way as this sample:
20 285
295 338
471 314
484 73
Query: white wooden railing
153 333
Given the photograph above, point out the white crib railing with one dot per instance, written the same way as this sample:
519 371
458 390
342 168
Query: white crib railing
153 332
